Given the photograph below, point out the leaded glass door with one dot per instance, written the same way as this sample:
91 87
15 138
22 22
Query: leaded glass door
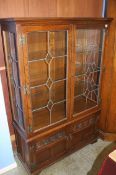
87 69
46 55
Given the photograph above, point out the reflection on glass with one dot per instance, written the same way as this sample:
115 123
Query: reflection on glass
87 69
47 59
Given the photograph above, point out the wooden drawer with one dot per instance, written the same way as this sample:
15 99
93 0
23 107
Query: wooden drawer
48 149
82 124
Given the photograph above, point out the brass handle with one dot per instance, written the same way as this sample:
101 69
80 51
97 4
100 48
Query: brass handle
26 90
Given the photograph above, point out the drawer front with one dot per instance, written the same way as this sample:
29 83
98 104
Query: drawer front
80 125
48 149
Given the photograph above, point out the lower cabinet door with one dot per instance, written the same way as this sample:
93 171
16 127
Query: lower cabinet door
43 156
81 138
83 132
59 148
48 150
75 139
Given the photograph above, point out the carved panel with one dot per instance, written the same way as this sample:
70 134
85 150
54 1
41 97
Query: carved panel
47 141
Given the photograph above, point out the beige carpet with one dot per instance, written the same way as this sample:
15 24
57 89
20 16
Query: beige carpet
86 161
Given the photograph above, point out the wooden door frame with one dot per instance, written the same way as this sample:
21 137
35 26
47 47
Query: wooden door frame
24 30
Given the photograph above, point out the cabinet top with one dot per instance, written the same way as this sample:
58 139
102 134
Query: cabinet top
52 19
8 23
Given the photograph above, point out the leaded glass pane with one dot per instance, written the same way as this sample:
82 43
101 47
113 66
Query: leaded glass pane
87 69
47 76
37 45
13 65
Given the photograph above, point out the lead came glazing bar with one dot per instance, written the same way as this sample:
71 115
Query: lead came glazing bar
56 44
88 69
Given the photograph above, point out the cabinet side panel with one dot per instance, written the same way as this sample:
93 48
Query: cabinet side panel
9 40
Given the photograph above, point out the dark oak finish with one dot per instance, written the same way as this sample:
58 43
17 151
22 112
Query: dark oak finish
55 73
48 8
50 147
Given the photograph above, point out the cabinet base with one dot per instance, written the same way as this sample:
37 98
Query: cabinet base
38 171
43 151
107 136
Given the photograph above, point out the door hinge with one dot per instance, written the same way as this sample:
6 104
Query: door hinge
22 39
26 90
99 101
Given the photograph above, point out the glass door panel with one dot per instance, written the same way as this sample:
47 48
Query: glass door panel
58 91
87 69
37 50
47 64
41 118
58 68
39 96
38 72
58 41
58 112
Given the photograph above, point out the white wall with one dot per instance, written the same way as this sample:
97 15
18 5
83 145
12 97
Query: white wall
6 154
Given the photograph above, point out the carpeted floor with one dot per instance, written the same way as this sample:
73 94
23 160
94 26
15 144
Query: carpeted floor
86 161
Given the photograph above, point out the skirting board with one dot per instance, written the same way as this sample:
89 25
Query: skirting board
10 167
107 136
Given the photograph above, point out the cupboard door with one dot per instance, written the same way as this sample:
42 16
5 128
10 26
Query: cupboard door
78 139
83 132
46 150
46 64
87 69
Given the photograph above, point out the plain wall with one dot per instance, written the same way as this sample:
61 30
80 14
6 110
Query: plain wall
6 153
